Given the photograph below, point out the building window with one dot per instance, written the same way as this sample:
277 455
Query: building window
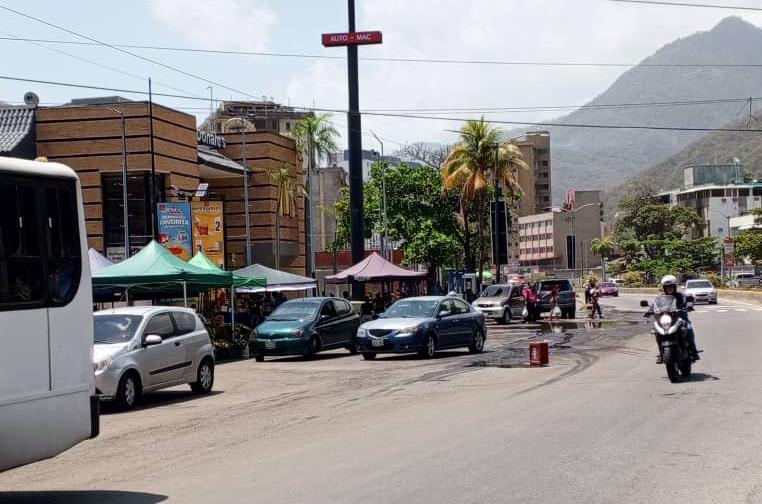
138 205
288 126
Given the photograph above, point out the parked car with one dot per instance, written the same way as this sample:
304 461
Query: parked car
306 327
609 289
744 280
702 291
501 302
140 349
567 300
619 282
423 325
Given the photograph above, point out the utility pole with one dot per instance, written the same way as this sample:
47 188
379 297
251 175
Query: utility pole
385 236
352 39
154 227
242 125
126 213
496 215
309 244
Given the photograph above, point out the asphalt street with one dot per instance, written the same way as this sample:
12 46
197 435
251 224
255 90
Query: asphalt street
601 424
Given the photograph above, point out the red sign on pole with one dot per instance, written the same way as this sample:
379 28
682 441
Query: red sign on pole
352 38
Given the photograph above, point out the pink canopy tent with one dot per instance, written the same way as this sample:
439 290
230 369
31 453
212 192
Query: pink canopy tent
374 268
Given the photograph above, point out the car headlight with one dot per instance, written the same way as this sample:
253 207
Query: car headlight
665 321
297 332
360 332
103 364
407 331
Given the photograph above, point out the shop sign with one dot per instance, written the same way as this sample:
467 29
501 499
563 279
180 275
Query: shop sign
175 228
210 140
208 230
352 38
729 252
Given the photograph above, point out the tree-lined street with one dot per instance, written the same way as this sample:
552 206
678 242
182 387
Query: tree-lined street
601 424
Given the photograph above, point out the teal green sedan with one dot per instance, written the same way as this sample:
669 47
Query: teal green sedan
306 327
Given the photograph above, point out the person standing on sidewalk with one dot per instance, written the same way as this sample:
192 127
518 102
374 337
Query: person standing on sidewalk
530 302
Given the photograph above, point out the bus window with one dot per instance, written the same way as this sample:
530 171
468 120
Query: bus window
64 261
21 268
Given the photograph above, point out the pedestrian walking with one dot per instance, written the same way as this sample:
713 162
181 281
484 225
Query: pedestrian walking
595 295
530 303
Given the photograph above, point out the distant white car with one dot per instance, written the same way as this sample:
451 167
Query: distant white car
702 291
618 281
145 348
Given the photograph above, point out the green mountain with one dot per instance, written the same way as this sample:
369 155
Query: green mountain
588 158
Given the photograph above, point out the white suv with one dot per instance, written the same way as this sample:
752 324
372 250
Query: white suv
144 348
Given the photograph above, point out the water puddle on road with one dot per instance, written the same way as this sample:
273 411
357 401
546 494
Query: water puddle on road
561 326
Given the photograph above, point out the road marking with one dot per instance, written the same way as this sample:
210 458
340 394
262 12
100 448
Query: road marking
741 309
721 311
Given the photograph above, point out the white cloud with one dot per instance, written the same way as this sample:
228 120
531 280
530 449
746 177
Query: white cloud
228 24
545 30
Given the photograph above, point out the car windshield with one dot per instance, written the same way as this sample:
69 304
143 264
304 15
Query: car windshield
295 310
408 308
115 328
698 284
496 291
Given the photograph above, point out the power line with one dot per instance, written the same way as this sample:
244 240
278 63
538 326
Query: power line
101 65
124 51
688 4
407 116
395 60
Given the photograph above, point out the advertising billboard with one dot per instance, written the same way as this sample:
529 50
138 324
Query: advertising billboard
175 228
208 230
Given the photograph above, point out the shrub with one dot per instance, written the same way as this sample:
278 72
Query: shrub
714 278
633 279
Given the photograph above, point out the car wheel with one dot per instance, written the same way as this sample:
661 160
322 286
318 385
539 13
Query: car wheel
505 318
259 358
129 390
353 348
429 347
477 342
313 347
204 377
369 356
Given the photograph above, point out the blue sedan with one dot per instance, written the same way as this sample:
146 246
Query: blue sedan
423 325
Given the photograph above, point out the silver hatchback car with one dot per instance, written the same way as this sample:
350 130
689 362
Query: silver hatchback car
144 348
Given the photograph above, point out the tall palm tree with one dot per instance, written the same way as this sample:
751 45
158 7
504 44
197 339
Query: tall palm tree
602 247
288 190
479 156
316 138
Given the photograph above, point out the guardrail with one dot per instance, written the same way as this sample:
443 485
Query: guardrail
746 296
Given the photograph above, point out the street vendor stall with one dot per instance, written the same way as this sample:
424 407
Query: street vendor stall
276 280
155 269
376 269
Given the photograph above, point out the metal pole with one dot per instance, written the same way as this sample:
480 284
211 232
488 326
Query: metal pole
309 246
246 193
124 190
498 197
154 229
385 237
185 293
355 158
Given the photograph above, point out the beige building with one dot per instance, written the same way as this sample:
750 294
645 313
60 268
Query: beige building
327 185
263 115
535 182
560 240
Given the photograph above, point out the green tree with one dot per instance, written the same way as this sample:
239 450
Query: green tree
479 156
315 138
749 244
602 247
288 190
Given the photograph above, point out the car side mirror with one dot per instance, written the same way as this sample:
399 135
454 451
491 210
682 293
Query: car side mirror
644 303
151 340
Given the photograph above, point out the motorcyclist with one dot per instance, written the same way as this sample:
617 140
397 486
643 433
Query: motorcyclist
669 287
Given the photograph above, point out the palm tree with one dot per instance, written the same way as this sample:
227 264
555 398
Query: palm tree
479 156
316 138
288 190
602 247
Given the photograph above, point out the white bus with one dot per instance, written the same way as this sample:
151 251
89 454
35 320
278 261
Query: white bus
47 396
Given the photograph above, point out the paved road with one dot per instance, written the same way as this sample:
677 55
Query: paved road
601 424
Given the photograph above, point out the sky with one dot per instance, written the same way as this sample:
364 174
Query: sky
516 30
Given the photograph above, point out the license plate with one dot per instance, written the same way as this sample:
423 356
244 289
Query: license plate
378 342
269 345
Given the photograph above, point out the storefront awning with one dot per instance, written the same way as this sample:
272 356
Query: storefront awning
210 158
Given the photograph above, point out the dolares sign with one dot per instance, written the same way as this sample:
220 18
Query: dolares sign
352 38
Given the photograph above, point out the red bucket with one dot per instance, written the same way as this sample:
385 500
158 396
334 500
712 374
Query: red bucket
538 353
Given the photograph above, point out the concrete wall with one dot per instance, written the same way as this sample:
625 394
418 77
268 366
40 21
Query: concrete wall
744 296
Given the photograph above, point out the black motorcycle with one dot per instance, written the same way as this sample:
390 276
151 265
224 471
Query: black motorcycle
671 330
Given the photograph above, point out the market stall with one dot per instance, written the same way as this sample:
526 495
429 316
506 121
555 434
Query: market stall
276 280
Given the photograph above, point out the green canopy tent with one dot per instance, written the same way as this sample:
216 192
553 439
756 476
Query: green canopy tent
155 268
201 261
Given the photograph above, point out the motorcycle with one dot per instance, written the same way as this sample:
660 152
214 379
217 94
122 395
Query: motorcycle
671 329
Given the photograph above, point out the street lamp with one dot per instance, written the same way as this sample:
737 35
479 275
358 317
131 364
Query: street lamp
722 246
126 214
385 236
243 125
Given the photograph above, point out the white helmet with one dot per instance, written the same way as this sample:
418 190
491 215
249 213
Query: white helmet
668 280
